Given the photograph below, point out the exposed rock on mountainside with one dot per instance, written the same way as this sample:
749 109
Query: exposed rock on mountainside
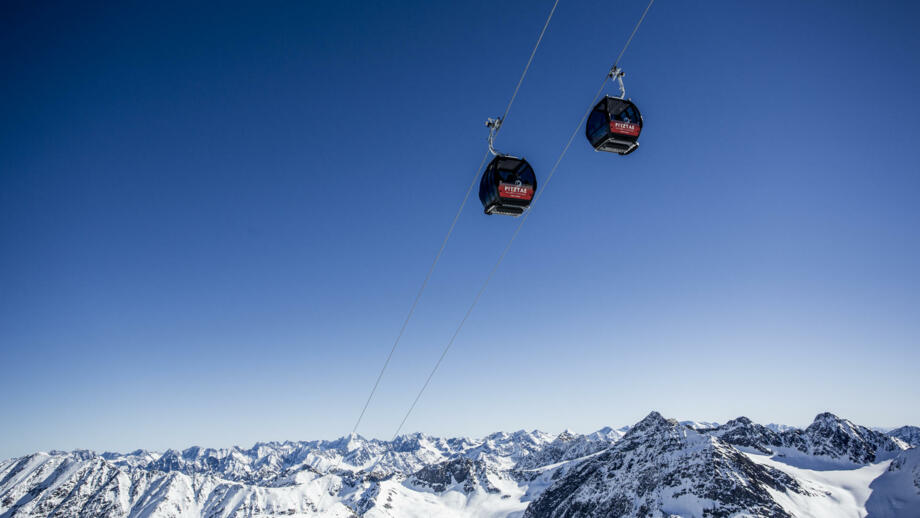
909 434
828 437
658 468
835 438
744 433
661 467
462 473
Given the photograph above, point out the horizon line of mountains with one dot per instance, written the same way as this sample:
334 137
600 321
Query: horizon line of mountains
656 466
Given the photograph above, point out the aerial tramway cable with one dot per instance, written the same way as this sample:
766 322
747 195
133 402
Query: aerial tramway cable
517 230
450 230
635 29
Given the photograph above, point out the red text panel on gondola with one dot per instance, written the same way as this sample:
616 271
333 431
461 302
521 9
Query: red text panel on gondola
625 128
517 192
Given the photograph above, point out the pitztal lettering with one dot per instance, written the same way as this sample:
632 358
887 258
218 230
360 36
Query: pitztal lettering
624 128
517 192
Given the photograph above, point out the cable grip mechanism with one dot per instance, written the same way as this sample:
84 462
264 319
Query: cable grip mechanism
618 74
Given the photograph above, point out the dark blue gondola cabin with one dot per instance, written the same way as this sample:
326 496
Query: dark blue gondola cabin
614 126
508 186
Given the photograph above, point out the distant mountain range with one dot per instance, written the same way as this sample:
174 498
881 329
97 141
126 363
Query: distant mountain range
655 468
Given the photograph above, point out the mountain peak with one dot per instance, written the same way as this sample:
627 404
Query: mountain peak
565 436
827 422
655 425
827 417
909 434
652 419
832 436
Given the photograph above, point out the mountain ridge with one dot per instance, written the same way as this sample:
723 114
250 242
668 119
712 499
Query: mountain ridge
505 474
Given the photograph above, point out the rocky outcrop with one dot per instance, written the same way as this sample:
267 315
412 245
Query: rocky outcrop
660 468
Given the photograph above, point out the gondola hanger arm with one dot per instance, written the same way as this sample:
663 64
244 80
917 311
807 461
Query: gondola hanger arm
618 74
494 125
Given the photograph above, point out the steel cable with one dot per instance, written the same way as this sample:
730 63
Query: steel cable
517 230
450 230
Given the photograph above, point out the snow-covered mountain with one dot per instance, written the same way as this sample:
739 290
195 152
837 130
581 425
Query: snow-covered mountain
661 467
656 468
908 434
829 440
779 427
700 425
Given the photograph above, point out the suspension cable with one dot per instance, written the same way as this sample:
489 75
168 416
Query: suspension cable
635 29
501 258
418 295
529 61
450 230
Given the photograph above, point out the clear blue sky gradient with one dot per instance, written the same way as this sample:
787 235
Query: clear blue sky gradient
213 220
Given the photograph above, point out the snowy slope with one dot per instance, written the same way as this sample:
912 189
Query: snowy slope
657 467
829 492
896 493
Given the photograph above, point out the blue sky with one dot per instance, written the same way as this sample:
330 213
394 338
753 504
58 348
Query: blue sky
214 220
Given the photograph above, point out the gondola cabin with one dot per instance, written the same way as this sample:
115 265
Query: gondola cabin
508 186
614 126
